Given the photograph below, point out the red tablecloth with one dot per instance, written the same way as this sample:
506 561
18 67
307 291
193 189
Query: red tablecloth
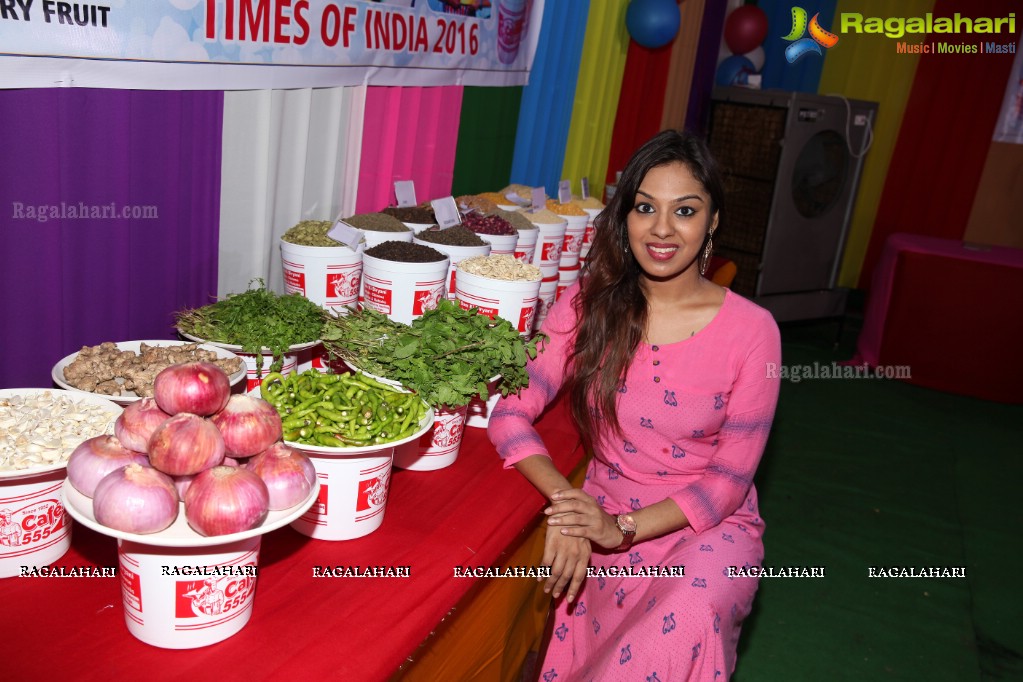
302 627
950 312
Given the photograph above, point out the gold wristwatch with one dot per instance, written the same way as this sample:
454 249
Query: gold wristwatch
627 525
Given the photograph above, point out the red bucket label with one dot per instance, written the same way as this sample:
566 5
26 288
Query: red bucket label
214 596
294 278
343 282
37 523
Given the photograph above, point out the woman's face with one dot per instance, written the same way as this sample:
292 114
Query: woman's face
669 222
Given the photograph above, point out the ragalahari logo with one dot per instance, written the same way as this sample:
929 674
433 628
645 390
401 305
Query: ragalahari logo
818 36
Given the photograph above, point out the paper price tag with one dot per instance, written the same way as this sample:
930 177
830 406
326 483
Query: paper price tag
539 197
352 237
446 212
564 191
586 188
405 193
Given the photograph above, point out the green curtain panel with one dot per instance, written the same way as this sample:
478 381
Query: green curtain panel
486 139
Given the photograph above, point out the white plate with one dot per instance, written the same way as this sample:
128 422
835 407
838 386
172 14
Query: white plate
57 373
238 349
77 396
180 534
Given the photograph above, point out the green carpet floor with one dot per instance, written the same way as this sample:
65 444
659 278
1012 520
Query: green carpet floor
861 473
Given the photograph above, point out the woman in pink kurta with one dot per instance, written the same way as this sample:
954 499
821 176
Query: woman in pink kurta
694 403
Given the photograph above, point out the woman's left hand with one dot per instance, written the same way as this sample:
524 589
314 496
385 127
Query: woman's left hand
579 515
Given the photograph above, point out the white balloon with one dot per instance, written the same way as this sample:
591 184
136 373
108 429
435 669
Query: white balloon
756 56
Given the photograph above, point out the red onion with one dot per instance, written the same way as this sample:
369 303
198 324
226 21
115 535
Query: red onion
95 458
289 475
185 444
181 484
136 499
199 388
249 425
136 424
225 500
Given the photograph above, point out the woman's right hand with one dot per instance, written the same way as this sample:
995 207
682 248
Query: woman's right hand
568 558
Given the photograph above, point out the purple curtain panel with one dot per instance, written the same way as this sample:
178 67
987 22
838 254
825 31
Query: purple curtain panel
109 219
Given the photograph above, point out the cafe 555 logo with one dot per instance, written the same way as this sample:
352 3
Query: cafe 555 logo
214 596
801 45
39 522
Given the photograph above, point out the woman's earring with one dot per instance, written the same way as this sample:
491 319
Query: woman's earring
705 261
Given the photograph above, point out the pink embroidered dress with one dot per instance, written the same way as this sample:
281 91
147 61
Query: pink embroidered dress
695 415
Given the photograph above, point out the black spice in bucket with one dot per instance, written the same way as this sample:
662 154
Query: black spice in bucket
377 222
456 235
411 214
405 252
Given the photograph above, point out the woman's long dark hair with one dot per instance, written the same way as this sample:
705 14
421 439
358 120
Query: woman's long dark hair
611 306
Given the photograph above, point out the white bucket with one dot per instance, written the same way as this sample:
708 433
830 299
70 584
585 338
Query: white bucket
352 497
500 244
438 447
478 414
591 214
34 530
187 611
547 296
402 291
513 300
456 254
418 227
326 275
549 243
575 231
526 245
566 278
374 237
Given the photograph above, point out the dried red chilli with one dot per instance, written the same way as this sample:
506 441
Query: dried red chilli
488 224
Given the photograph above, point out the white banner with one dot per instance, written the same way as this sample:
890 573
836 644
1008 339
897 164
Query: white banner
266 44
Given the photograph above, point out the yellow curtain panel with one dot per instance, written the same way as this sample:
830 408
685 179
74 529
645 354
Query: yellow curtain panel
868 67
596 94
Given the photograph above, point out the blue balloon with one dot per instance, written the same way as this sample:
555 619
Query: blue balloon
653 23
734 70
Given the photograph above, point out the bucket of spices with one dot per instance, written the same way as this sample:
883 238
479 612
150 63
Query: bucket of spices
438 447
34 530
575 231
319 268
457 243
494 230
416 218
403 280
500 286
549 242
547 296
380 227
528 233
566 278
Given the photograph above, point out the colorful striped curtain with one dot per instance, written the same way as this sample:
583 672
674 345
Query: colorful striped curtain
683 64
289 155
409 133
153 159
597 91
486 139
943 141
547 101
867 67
